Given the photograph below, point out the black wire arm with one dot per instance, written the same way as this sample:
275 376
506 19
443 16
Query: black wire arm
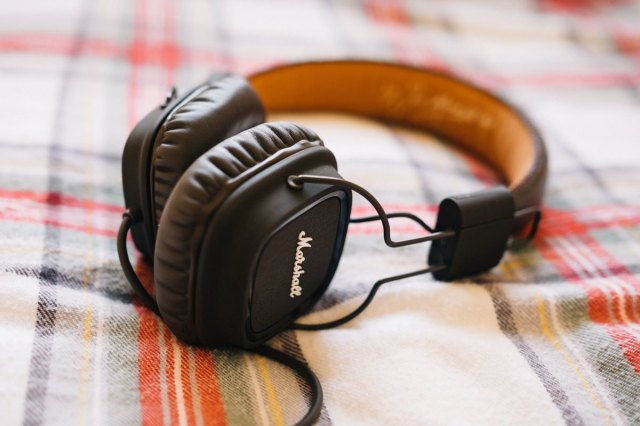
128 219
304 371
297 182
406 215
534 212
366 302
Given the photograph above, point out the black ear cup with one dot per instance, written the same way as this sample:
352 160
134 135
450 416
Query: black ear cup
220 110
166 141
198 192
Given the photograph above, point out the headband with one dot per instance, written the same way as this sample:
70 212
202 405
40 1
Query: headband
464 114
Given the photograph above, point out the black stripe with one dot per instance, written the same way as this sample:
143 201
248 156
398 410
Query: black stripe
46 310
112 288
549 381
45 318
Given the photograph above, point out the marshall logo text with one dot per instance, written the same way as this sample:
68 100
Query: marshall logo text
303 242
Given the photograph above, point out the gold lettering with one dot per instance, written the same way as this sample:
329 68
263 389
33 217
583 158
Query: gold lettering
415 103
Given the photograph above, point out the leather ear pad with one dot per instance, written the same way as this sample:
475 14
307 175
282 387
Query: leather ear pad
225 108
193 193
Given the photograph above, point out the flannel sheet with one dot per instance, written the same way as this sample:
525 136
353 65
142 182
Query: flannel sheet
550 336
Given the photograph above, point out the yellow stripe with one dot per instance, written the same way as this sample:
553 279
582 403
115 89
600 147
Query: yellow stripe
275 408
86 338
253 375
508 269
88 319
548 333
87 324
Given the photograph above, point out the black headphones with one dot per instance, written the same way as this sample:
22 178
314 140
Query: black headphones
245 221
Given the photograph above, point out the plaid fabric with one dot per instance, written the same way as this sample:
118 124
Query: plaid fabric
550 336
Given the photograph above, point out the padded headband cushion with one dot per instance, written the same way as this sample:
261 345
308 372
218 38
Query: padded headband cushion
194 190
222 109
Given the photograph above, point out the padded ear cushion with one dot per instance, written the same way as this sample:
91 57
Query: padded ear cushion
225 108
197 187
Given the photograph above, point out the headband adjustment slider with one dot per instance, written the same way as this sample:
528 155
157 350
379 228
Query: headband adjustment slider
482 223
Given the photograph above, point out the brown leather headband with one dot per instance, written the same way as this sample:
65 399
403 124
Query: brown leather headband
467 115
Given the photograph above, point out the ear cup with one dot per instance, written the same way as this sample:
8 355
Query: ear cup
196 188
225 108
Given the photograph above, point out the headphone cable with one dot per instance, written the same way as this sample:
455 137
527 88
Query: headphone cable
129 217
302 369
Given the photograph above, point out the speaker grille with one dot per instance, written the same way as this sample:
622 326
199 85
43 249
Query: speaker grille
294 264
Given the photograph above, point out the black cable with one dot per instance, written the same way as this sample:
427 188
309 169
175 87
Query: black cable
365 303
393 216
128 218
303 371
298 181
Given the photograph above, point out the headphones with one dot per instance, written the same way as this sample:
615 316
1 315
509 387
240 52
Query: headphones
245 221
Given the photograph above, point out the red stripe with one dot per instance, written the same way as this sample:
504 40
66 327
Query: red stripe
556 222
609 301
171 52
629 345
574 79
578 7
621 272
387 12
168 340
627 42
59 224
213 412
395 23
149 368
613 305
150 381
58 199
598 306
164 54
141 52
168 54
581 221
57 44
144 271
135 57
185 378
149 361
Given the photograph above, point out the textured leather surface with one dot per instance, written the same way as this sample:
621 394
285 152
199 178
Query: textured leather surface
224 109
197 186
471 117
